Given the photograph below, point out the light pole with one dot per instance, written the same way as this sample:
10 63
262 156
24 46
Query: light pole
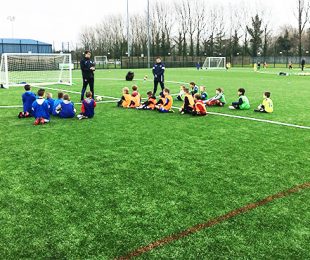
128 29
12 20
148 35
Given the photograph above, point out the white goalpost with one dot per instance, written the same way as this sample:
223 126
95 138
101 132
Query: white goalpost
214 63
18 69
101 60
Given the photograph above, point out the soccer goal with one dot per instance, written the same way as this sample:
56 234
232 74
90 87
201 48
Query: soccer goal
37 69
101 60
214 63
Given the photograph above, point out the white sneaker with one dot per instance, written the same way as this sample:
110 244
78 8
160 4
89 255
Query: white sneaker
232 108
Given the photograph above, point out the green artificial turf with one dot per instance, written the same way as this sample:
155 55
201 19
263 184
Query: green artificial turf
101 188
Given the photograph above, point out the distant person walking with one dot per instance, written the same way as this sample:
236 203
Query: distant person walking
159 75
87 68
303 63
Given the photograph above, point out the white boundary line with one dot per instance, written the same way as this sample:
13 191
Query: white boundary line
257 120
74 92
79 103
211 113
113 79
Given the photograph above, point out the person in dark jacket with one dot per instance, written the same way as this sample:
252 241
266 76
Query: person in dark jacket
303 63
87 68
158 72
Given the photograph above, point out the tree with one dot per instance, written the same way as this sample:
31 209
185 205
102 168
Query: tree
200 12
235 47
182 17
303 17
284 43
256 35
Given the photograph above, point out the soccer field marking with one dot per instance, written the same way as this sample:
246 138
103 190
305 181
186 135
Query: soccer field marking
256 119
79 103
114 79
213 222
114 99
74 92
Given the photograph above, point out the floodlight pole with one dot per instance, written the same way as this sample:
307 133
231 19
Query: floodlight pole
148 36
128 27
12 20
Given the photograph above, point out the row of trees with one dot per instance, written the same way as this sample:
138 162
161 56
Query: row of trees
194 28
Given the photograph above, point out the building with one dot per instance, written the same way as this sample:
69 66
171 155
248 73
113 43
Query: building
24 46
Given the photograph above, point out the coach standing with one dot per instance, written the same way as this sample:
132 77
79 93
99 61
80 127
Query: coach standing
159 75
303 64
88 68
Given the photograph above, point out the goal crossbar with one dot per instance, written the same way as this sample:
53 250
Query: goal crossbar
214 63
18 69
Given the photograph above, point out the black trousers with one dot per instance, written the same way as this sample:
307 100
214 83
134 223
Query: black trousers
162 85
87 82
236 105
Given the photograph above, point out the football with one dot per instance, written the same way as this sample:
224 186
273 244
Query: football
98 98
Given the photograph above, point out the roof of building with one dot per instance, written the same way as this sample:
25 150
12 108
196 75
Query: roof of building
21 41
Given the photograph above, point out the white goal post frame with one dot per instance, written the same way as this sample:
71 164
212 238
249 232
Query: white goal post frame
207 63
4 75
103 61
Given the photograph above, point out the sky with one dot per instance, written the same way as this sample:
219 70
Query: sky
56 21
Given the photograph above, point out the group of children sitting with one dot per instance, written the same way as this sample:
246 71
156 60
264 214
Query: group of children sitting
41 109
195 100
193 104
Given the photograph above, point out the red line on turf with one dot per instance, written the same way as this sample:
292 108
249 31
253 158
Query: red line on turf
213 222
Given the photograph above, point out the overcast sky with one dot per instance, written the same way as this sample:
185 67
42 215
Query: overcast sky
61 20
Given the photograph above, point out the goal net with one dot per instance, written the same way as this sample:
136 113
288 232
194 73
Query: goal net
101 60
37 69
214 63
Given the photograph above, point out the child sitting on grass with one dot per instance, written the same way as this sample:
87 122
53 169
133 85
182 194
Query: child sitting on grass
150 103
40 108
51 101
243 102
161 100
181 95
28 98
199 108
167 102
135 98
125 99
57 102
66 108
194 88
218 99
189 103
88 107
267 105
203 93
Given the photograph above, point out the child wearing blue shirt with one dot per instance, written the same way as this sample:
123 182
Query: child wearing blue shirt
66 108
51 101
40 108
88 107
28 98
57 102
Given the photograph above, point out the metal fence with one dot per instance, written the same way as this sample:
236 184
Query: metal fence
191 61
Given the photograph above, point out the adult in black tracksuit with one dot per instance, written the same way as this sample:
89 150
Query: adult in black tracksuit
159 75
88 68
303 63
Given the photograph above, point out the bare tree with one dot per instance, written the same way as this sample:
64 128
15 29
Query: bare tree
183 28
303 18
201 22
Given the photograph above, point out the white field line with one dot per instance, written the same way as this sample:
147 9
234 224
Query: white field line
98 102
113 79
257 120
74 92
211 113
